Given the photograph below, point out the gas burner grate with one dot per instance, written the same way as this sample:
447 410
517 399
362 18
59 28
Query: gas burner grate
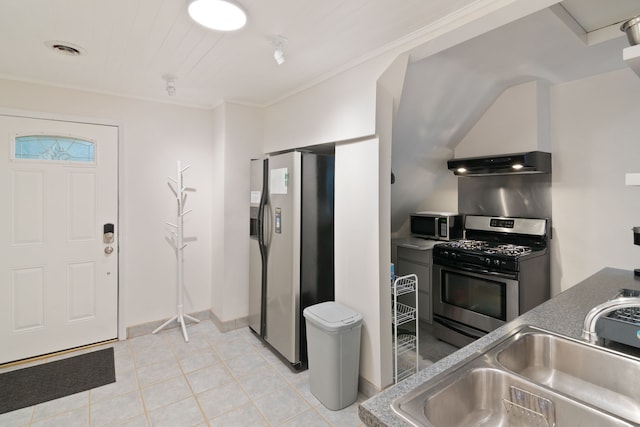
468 244
512 250
489 248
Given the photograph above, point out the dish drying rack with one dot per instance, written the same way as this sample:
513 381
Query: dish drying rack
405 344
529 410
621 325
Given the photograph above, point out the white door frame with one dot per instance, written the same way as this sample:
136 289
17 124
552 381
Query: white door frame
122 226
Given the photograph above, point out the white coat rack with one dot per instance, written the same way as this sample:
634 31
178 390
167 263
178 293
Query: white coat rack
180 191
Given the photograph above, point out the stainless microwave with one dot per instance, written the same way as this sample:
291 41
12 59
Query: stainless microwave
436 225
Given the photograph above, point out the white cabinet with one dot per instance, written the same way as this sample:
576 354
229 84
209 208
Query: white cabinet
405 327
418 262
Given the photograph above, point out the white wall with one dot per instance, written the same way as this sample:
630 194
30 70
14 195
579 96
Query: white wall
218 213
384 125
517 121
357 246
239 141
338 109
155 136
595 128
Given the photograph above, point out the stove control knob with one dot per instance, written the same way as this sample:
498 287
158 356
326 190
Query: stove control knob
487 261
496 262
453 255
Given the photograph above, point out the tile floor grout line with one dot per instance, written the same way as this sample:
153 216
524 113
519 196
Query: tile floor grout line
193 392
251 400
89 404
295 390
138 382
313 408
33 413
286 381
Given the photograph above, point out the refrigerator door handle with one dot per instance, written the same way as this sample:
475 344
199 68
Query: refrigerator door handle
267 227
264 213
260 230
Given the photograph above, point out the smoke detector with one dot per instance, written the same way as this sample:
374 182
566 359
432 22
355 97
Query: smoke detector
65 48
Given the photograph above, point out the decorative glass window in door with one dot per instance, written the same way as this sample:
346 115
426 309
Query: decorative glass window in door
54 147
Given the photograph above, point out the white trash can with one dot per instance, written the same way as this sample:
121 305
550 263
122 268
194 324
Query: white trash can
333 347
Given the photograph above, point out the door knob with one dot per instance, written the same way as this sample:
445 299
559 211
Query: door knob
108 250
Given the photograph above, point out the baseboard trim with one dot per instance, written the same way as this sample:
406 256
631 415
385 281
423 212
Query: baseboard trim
149 327
367 388
229 325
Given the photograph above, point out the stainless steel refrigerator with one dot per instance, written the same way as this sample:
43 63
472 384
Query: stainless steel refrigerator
291 254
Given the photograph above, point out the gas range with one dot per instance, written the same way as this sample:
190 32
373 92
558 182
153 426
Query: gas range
498 271
496 243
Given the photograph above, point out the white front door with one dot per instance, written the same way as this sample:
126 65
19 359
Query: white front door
58 278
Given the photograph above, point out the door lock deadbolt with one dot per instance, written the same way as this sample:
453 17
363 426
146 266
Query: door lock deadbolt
107 237
108 233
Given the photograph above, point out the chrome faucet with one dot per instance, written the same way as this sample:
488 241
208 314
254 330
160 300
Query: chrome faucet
589 326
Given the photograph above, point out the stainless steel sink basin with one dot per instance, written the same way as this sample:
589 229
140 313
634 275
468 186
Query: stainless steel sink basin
601 378
530 378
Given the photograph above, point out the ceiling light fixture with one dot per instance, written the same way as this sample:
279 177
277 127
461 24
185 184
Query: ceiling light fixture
278 43
221 15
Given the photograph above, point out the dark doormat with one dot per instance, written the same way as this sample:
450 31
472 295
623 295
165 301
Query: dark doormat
29 386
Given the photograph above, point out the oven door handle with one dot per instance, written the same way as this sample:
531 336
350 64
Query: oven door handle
472 268
461 329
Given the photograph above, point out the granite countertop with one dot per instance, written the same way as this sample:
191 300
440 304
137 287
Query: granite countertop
563 314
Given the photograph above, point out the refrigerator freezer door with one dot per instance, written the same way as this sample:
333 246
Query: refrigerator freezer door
256 249
283 265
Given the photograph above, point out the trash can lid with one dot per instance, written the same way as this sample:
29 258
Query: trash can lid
332 316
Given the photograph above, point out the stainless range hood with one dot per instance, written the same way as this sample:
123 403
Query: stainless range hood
532 162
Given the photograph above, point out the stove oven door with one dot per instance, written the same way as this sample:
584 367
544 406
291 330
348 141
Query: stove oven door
468 304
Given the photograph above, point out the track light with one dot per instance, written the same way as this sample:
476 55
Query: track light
221 15
170 84
278 42
278 55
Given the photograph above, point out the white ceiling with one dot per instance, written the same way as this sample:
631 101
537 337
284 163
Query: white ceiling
596 14
131 44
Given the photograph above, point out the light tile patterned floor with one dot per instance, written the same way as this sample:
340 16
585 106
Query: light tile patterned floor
215 379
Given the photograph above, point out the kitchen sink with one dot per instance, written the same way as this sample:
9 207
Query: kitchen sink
601 378
530 378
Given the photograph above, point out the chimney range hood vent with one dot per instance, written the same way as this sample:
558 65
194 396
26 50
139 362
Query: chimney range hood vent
504 164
